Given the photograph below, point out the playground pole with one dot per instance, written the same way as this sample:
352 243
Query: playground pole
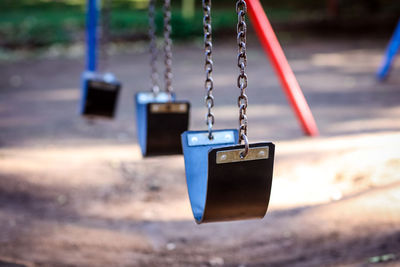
91 34
390 54
289 82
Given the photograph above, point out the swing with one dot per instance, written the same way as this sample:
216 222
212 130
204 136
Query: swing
227 178
160 117
99 90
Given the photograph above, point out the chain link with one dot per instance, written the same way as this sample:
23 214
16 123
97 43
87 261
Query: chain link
168 48
241 10
105 34
208 66
155 87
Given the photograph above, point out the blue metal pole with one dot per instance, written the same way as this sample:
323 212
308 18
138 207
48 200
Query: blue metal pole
91 35
390 53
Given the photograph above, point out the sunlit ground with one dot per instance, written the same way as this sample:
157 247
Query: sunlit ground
75 192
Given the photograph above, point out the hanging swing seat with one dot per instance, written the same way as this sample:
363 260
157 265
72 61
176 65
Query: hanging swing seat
99 94
222 185
160 122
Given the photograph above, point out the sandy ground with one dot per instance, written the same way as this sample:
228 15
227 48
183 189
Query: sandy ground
77 193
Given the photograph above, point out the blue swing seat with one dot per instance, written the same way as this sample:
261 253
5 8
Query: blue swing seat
221 185
160 122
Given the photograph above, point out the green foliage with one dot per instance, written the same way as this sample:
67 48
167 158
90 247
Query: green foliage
29 23
45 22
37 23
40 27
129 22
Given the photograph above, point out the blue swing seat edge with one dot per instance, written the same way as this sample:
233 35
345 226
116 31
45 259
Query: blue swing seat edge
142 99
197 181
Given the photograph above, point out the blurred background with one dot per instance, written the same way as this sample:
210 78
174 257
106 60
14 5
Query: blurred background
77 192
33 24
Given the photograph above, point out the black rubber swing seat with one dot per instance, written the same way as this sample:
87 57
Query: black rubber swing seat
99 95
222 186
160 123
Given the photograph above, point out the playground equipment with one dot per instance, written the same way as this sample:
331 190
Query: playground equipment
99 89
227 178
288 80
390 54
160 117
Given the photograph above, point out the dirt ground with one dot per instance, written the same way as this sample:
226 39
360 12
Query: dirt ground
75 192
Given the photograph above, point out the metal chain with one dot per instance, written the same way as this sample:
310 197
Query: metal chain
208 66
105 34
155 88
241 10
167 48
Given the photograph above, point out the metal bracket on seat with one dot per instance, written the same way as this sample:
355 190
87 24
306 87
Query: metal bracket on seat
219 137
230 156
158 108
223 186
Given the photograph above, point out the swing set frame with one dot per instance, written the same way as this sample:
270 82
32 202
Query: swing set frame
390 54
288 80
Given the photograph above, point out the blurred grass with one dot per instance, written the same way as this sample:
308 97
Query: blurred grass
29 23
35 23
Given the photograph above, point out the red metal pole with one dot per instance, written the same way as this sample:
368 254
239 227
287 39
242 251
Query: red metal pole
289 82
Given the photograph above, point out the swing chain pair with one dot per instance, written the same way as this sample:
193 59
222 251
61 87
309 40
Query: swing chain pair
105 33
155 88
208 66
241 10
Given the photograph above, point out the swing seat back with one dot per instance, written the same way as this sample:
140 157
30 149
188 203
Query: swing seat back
99 95
222 186
160 123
